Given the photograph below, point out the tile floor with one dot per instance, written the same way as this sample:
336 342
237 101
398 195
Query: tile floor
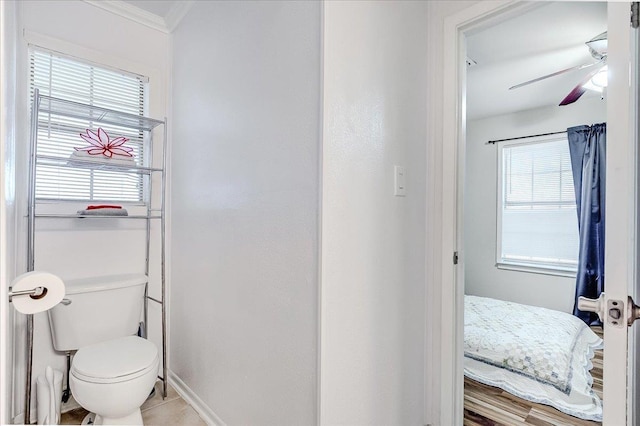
173 410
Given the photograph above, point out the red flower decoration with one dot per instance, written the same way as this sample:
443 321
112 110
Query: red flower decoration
101 144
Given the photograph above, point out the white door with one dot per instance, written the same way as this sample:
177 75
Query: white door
620 232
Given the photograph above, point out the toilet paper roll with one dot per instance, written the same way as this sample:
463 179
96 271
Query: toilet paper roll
52 292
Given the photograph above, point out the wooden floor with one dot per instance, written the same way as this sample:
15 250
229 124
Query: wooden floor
488 406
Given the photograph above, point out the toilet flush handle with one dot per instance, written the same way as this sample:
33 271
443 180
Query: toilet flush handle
66 301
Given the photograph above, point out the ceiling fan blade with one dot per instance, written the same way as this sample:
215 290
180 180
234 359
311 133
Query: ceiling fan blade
573 96
579 90
553 74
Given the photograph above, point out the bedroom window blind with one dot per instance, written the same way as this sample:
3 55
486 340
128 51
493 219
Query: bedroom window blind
72 79
537 221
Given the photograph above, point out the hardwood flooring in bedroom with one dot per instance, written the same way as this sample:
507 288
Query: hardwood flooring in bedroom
488 406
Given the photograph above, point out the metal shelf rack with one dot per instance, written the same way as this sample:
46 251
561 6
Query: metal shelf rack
43 108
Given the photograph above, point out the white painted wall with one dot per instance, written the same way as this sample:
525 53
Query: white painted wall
245 190
373 248
8 48
482 277
70 27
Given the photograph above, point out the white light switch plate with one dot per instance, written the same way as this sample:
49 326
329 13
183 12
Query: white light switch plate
400 190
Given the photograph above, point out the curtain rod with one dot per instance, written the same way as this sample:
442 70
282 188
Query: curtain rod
525 137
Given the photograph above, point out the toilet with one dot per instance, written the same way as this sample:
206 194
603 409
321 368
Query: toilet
113 370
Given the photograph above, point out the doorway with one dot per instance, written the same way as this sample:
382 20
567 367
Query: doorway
620 269
520 222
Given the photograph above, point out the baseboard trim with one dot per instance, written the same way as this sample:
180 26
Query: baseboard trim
194 400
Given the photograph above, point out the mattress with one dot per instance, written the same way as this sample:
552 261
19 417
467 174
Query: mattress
537 354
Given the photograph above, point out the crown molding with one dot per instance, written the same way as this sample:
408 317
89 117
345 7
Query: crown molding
128 11
177 12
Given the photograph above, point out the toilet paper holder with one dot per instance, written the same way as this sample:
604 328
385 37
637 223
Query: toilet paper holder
35 293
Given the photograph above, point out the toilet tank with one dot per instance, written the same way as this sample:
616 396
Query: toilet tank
97 309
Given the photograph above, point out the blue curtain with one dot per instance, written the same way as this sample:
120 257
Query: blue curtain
587 145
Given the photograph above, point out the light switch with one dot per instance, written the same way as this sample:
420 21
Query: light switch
400 190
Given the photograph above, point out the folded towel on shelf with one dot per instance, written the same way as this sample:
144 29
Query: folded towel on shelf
103 211
103 206
85 156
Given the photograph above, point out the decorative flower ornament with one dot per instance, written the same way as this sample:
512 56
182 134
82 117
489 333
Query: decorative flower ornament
101 144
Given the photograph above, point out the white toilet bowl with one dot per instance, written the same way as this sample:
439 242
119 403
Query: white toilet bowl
113 379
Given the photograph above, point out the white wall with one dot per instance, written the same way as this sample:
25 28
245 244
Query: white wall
373 273
70 27
482 277
245 190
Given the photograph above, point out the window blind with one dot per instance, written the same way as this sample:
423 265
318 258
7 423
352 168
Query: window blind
71 79
538 222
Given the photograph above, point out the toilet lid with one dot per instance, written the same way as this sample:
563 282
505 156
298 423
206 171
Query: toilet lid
115 360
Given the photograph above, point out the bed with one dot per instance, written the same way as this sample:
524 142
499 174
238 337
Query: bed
537 354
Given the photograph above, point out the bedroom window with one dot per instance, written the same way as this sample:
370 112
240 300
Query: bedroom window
68 78
537 220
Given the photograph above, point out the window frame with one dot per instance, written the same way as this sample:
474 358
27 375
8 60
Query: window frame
524 265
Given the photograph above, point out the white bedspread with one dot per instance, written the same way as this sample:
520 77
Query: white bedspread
534 353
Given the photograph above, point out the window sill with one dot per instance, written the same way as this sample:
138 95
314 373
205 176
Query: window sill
536 270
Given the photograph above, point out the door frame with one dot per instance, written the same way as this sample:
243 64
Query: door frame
634 337
450 383
620 240
7 216
450 386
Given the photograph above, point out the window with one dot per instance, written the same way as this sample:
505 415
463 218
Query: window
537 219
71 79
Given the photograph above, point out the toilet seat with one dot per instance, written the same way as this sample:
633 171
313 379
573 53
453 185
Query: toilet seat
114 361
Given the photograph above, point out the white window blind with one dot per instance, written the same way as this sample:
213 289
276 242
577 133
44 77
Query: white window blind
68 78
538 225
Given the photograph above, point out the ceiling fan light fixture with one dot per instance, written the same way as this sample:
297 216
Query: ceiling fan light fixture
600 79
598 46
598 82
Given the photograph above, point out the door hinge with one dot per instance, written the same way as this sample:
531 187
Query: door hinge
455 257
635 14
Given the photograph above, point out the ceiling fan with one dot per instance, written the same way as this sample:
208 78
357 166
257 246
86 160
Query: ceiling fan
598 49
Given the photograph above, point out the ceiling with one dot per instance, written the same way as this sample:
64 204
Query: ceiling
547 38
